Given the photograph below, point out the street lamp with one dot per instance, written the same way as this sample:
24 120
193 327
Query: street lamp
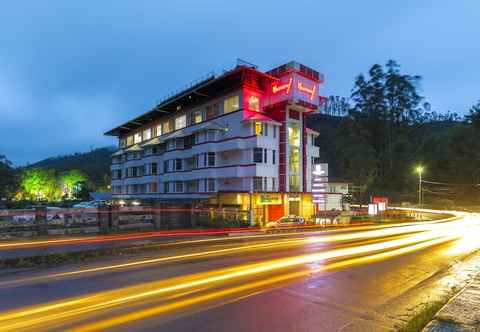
419 170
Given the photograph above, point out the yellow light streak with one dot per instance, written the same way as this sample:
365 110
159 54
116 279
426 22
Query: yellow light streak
64 310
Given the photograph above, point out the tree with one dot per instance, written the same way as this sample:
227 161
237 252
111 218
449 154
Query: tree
385 106
8 178
71 182
39 184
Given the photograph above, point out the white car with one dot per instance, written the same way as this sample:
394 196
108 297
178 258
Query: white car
287 221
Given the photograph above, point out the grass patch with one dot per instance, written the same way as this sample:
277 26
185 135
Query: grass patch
428 312
423 317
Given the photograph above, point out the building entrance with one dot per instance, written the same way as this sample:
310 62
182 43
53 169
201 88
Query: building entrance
294 208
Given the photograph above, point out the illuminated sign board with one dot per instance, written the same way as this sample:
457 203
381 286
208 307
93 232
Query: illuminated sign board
295 87
319 183
269 199
310 91
276 88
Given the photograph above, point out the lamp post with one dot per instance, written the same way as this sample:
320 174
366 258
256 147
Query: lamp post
419 170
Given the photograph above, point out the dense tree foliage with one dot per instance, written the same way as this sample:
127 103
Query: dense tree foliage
8 178
388 131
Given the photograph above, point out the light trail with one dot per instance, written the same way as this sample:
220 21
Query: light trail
253 286
180 233
46 315
370 234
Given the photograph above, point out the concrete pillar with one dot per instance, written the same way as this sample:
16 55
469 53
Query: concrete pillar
104 217
41 220
157 214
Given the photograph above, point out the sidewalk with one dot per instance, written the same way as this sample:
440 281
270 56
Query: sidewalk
461 313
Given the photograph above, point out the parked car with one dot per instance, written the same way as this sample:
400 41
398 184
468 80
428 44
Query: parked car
89 205
287 221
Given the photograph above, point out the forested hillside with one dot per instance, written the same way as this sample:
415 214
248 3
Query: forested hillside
95 164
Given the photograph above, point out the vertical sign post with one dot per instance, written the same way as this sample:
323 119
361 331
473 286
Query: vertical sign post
319 186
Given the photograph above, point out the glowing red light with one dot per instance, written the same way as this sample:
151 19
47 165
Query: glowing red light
311 91
286 86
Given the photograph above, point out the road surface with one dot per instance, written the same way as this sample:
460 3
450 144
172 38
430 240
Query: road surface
366 279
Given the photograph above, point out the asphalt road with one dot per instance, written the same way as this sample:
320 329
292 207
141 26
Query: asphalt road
368 279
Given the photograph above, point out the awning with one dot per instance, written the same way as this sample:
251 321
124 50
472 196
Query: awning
257 116
134 148
154 141
202 126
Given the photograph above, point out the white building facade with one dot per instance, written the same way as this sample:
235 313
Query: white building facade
239 139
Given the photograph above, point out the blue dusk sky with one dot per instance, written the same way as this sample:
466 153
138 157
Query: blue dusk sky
70 70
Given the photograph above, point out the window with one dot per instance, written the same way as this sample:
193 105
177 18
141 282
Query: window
273 185
211 135
129 140
178 164
166 126
274 157
171 144
153 187
257 155
253 103
147 134
294 156
212 111
166 187
197 117
165 166
211 159
274 131
257 184
265 184
231 104
159 130
137 138
178 186
209 185
265 156
192 186
153 168
258 128
265 129
181 122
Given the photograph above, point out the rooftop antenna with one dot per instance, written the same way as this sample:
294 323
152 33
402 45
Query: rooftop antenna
241 62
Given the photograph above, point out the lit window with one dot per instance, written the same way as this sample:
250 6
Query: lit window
253 103
147 134
231 104
166 127
197 116
181 122
159 130
129 140
258 128
137 138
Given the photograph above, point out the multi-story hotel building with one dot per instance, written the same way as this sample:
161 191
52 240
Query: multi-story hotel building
239 139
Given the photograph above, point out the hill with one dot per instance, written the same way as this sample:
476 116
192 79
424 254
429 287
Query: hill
96 164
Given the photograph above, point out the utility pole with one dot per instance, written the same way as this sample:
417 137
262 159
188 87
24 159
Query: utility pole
419 170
